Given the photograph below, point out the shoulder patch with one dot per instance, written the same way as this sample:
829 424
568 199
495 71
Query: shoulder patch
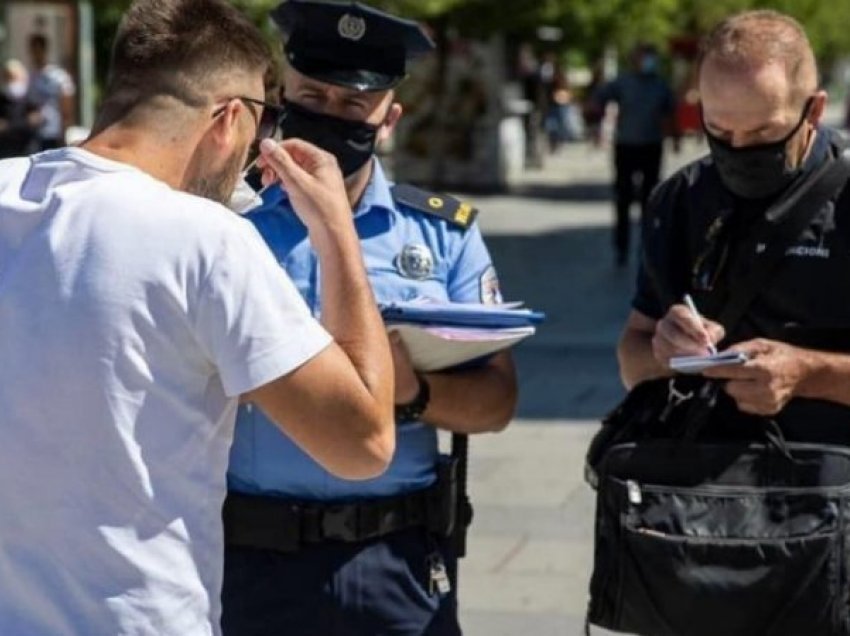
440 205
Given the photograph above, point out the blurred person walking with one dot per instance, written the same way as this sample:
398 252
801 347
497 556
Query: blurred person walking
646 109
16 134
51 91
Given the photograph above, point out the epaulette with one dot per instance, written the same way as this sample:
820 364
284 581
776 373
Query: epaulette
445 207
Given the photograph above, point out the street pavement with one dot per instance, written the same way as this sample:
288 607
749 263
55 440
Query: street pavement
530 546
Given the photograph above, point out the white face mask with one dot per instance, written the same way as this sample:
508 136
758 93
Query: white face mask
16 89
244 199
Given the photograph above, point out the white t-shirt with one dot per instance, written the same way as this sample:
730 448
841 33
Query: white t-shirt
131 318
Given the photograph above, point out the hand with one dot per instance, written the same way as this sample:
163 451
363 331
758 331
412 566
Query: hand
765 384
406 382
311 178
680 333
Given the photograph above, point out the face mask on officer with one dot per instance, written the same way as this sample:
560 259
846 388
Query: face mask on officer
351 142
757 171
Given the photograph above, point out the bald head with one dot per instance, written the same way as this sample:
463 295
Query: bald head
746 43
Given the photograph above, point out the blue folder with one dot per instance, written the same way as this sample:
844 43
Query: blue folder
460 315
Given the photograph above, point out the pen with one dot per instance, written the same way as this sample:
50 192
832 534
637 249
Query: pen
690 303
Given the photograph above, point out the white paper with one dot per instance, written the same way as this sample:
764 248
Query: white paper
697 364
437 348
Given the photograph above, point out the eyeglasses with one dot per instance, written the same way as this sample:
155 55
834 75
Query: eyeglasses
267 122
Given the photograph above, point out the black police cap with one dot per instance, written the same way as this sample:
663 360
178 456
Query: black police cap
348 43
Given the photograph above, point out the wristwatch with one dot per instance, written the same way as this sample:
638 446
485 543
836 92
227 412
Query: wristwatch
414 409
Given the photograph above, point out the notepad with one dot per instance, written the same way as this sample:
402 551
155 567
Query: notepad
437 348
697 364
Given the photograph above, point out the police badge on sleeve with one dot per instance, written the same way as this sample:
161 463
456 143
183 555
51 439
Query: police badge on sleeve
491 294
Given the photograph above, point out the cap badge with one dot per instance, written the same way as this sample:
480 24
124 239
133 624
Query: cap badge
415 261
351 27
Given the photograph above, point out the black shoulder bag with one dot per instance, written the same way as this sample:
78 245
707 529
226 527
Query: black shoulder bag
700 536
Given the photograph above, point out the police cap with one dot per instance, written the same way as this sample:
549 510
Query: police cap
348 43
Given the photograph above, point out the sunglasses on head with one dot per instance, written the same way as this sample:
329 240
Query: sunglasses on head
267 122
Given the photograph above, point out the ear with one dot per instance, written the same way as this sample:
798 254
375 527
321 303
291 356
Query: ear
393 115
224 130
818 107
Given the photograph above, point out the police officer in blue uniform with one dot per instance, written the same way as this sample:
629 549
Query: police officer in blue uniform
308 554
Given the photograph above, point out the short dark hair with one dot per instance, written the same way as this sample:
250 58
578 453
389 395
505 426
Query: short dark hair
753 38
179 49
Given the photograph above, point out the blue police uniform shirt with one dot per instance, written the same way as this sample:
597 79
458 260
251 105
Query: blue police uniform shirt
264 460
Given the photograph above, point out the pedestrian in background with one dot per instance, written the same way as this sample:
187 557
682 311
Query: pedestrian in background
646 109
51 91
16 134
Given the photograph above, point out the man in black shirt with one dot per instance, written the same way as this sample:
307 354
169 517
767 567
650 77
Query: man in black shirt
761 112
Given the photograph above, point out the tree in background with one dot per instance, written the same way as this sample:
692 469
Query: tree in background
589 25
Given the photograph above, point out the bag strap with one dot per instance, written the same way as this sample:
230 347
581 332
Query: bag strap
787 220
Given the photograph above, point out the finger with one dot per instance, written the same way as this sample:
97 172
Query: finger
744 395
752 408
269 177
715 330
734 372
677 341
688 323
752 348
280 160
307 155
741 390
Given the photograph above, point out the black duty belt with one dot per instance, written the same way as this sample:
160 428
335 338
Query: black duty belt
274 523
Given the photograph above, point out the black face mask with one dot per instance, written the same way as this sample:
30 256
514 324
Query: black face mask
351 142
756 172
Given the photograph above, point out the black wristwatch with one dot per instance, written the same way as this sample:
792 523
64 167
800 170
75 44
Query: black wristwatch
414 409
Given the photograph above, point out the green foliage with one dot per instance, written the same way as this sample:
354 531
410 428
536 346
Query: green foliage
588 25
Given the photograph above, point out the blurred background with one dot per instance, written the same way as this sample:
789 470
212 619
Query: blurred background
509 84
503 116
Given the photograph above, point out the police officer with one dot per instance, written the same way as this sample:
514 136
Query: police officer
309 554
762 114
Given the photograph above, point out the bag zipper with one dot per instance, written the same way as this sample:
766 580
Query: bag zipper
636 489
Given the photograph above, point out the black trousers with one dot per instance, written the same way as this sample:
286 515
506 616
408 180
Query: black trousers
631 161
376 588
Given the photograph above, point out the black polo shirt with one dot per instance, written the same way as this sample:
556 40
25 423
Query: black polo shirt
698 240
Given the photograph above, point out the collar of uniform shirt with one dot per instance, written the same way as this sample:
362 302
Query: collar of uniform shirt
377 194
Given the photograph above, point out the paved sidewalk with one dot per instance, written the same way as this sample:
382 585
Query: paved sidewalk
530 546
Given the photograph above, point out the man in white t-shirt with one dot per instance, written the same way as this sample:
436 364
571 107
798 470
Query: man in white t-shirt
133 317
51 92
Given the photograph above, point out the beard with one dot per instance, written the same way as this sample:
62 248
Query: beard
219 185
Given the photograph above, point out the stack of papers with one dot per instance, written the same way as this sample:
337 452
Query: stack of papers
444 335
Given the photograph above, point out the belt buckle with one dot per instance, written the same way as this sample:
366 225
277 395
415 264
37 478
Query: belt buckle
339 524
